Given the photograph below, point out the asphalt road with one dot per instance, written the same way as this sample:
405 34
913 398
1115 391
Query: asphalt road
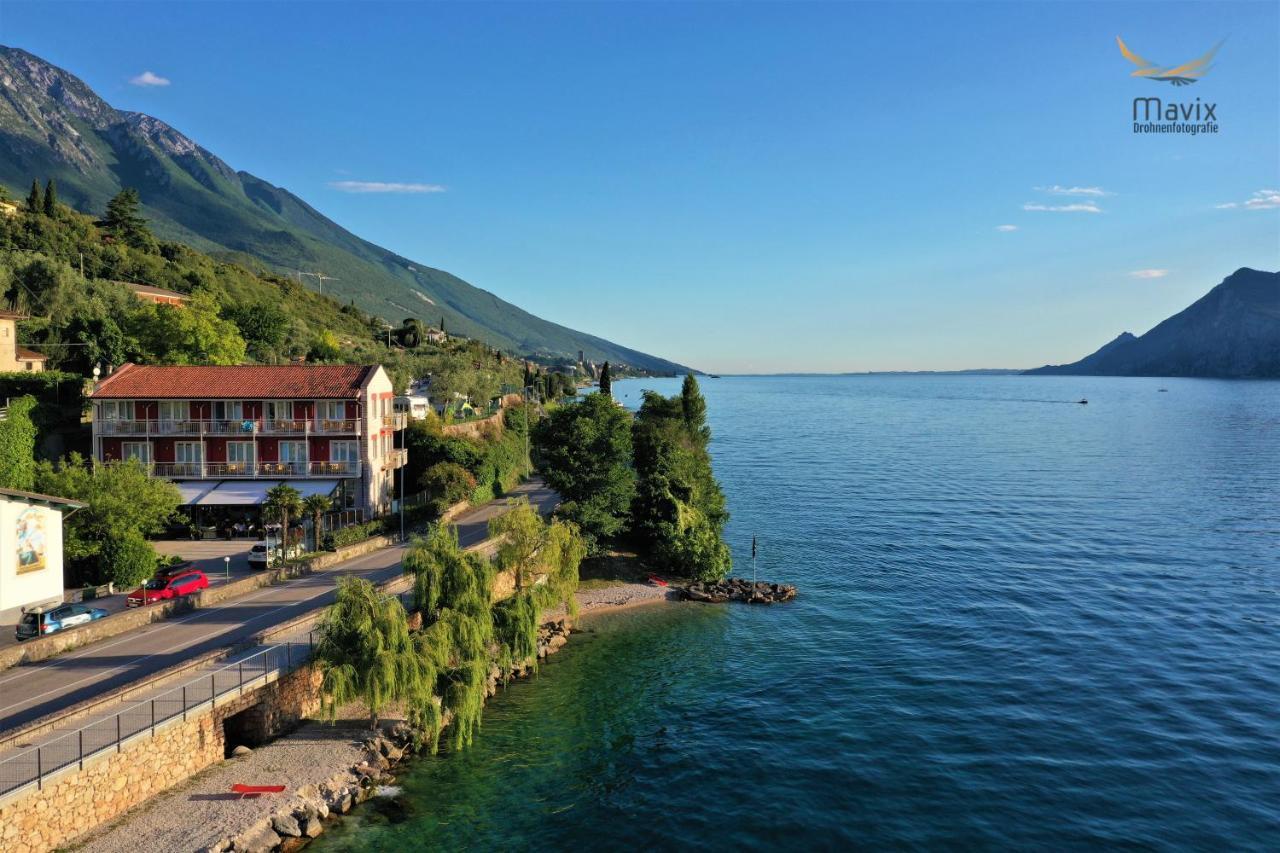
30 692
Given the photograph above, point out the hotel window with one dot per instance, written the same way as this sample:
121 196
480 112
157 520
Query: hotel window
115 410
240 455
279 410
228 410
140 450
333 410
187 456
293 452
343 451
173 410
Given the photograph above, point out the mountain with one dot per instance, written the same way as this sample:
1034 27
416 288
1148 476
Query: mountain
52 125
1231 332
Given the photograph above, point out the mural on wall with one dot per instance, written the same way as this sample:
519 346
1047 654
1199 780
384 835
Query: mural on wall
31 542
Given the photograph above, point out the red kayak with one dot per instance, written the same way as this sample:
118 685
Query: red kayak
654 579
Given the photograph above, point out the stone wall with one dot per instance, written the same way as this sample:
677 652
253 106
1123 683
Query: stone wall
474 429
111 783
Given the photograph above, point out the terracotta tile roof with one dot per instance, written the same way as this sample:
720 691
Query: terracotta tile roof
30 355
238 382
155 291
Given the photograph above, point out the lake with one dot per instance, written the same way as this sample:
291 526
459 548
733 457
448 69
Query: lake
1022 622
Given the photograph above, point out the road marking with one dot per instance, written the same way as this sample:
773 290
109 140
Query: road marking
62 688
94 648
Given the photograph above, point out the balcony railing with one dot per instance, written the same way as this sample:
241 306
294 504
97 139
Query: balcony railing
254 470
397 458
395 421
246 426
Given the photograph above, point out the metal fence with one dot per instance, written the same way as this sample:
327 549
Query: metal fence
32 765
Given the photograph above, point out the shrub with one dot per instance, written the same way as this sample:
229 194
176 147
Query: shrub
447 483
128 561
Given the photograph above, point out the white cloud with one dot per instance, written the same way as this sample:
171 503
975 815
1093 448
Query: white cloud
384 187
149 78
1149 273
1006 228
1261 200
1078 207
1095 192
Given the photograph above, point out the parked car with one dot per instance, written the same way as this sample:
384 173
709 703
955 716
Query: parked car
260 557
163 589
40 621
178 567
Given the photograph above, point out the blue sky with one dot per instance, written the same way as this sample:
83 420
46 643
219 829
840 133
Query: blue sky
741 187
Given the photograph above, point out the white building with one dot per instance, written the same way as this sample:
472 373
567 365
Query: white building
30 551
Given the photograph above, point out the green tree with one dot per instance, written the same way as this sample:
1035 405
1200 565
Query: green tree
192 334
124 222
445 484
34 202
520 531
679 510
326 347
316 506
283 502
127 561
606 381
264 328
18 445
366 653
123 501
693 408
50 198
584 450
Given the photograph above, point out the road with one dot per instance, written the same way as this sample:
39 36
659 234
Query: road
30 692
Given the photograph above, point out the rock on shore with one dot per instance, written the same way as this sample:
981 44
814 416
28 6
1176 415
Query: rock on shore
739 589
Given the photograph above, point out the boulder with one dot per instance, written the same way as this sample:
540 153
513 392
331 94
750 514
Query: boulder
312 827
286 825
241 750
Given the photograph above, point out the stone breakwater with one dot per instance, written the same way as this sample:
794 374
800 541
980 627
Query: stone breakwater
738 589
313 806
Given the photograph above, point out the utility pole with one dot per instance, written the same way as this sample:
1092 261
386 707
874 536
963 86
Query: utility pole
320 278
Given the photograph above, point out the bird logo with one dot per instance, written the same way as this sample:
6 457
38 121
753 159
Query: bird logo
1179 75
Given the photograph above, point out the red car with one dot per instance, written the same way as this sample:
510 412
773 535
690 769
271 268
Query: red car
162 589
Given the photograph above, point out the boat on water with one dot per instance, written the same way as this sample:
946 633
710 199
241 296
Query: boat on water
1083 402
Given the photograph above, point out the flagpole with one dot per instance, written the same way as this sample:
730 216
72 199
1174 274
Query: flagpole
753 565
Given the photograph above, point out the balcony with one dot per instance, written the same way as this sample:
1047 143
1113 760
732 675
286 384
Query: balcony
395 421
254 470
396 458
237 428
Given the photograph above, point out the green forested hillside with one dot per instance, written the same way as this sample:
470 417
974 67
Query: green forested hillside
54 126
65 271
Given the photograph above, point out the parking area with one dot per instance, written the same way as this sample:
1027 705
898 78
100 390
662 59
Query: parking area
207 555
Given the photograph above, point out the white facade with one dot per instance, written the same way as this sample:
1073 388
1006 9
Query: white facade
30 552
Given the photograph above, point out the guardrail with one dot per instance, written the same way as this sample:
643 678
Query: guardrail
34 765
254 470
244 426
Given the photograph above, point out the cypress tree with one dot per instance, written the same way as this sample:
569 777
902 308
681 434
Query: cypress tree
606 381
50 198
34 202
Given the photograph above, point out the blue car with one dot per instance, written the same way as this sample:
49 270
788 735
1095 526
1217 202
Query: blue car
40 621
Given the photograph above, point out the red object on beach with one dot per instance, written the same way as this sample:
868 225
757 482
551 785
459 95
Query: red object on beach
657 580
251 791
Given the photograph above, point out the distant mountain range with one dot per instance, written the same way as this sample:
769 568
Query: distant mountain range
52 125
1233 331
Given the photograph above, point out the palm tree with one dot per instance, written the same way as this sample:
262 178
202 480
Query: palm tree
316 506
283 501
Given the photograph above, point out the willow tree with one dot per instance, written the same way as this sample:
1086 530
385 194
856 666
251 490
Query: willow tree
367 654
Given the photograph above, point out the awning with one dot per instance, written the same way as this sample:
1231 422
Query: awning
307 488
238 493
193 490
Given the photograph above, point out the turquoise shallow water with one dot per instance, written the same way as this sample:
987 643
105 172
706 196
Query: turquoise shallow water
1023 623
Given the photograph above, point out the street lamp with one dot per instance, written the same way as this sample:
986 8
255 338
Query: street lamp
226 566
